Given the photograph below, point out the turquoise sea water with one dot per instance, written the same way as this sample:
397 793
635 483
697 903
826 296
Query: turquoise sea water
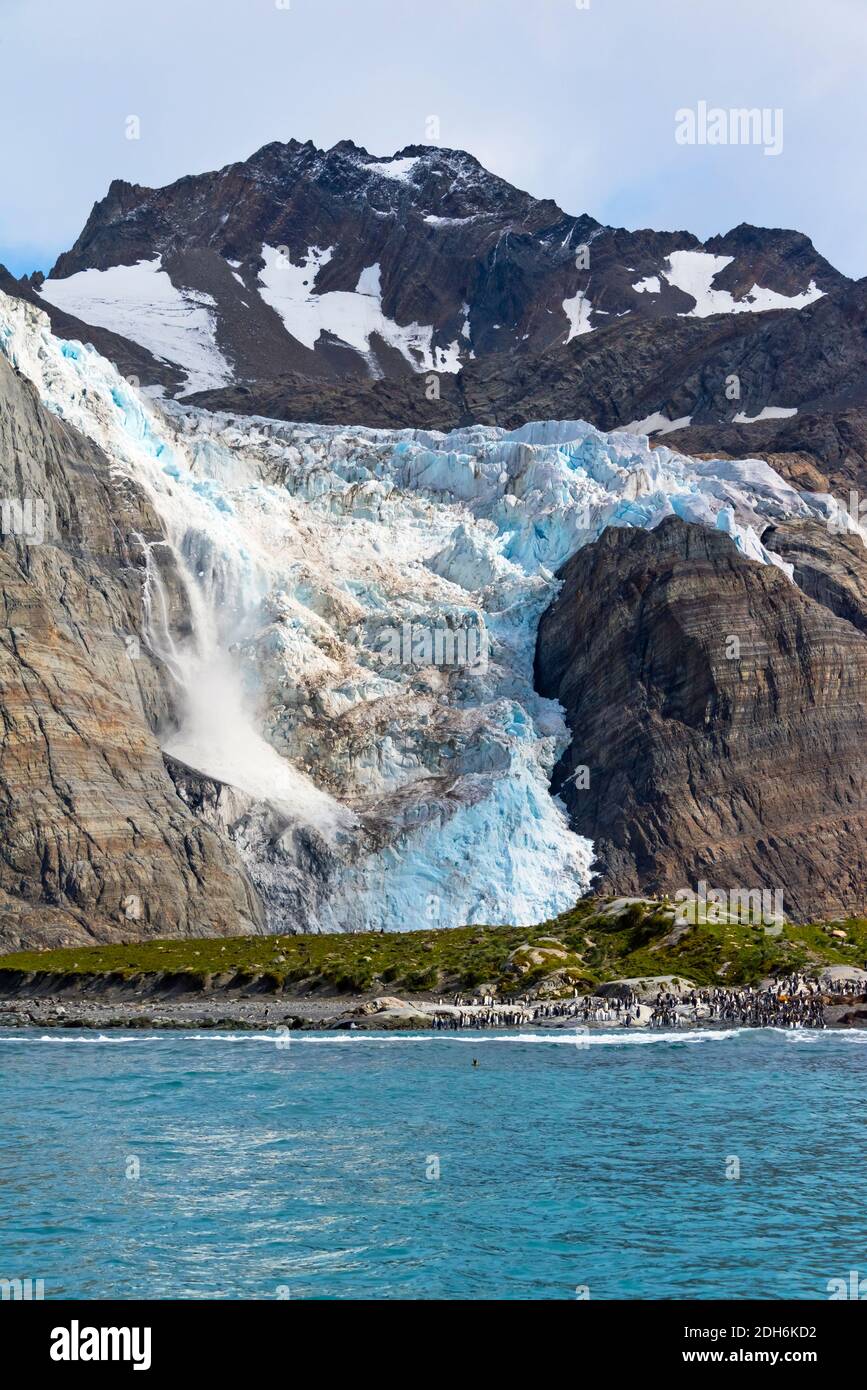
309 1170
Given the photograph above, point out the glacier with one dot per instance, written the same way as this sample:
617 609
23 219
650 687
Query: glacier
371 789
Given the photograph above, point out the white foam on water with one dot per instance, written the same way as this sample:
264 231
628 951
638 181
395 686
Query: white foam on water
561 1037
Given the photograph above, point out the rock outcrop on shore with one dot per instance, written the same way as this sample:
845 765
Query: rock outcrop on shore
719 711
96 844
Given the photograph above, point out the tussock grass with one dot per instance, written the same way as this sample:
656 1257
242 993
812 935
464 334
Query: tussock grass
637 941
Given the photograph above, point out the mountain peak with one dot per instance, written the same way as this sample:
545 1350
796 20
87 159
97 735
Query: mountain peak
335 265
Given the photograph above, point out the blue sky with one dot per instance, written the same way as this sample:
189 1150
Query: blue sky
571 103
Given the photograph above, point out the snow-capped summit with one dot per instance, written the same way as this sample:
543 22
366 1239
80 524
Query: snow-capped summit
338 265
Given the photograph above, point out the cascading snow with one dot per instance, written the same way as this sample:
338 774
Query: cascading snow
364 607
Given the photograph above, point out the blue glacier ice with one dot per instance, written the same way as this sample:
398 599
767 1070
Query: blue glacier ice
418 794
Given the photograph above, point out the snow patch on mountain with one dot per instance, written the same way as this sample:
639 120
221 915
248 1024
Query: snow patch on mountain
693 272
353 316
768 412
140 303
400 169
578 310
433 221
657 423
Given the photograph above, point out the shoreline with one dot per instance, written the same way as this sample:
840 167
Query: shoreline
605 963
619 1007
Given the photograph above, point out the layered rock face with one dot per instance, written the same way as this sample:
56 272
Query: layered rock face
830 567
96 844
718 718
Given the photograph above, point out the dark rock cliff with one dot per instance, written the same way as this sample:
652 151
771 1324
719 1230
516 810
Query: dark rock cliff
721 715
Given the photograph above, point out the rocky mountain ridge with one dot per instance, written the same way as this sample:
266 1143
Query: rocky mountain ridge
331 285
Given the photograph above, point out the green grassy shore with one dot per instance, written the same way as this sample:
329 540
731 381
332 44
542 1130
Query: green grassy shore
584 947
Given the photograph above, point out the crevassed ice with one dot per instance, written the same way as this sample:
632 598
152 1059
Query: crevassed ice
380 789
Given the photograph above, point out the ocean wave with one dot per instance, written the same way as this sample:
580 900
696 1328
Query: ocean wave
560 1037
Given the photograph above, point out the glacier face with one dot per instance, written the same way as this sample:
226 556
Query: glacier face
383 781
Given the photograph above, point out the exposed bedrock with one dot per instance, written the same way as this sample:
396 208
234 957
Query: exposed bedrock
95 843
830 568
719 711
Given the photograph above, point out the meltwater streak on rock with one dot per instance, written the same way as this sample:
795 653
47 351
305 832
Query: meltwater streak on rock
299 547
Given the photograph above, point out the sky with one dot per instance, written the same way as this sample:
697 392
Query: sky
575 100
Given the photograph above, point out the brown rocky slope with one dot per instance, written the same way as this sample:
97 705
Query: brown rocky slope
96 844
745 771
